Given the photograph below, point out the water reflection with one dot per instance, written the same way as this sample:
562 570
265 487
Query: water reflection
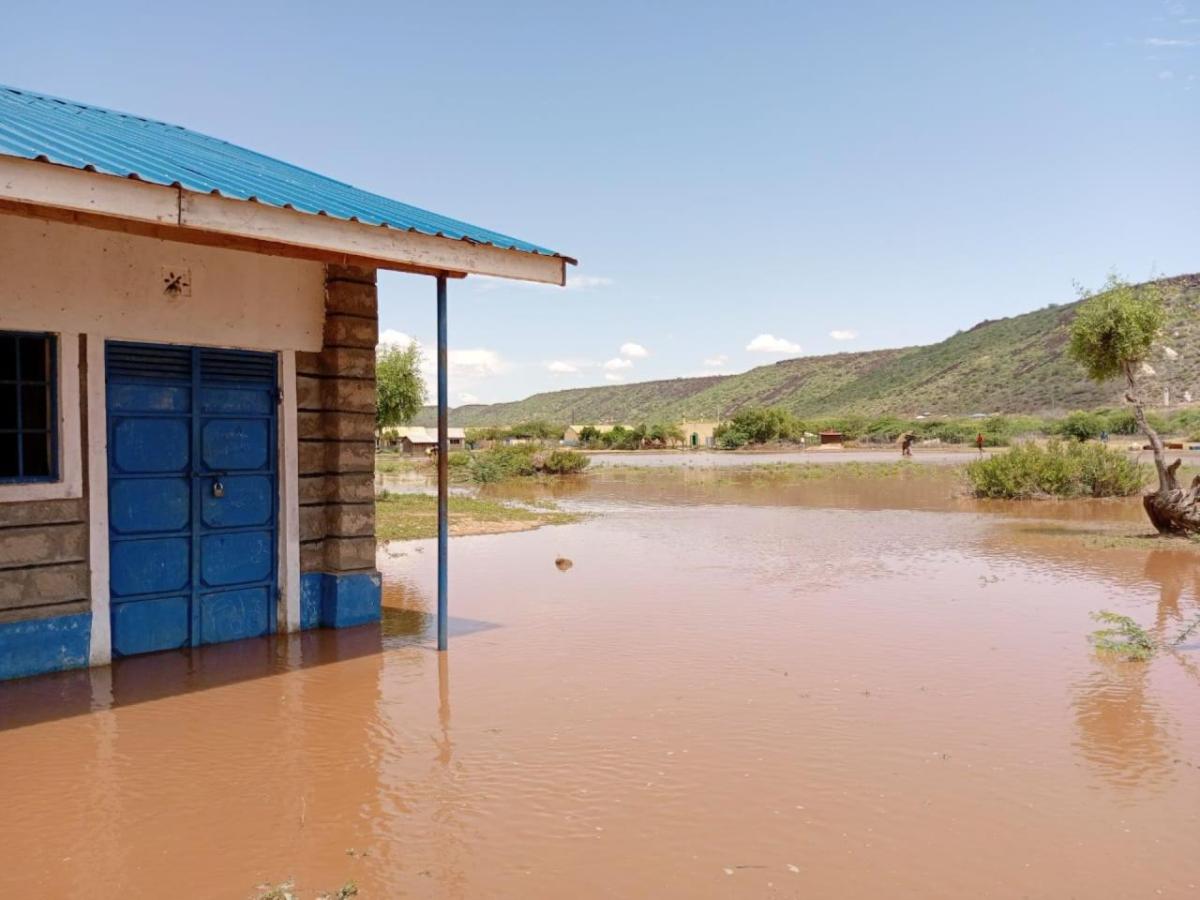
445 746
1174 572
1122 730
156 676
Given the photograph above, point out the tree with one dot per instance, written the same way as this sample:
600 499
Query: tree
663 434
399 388
1112 335
1081 425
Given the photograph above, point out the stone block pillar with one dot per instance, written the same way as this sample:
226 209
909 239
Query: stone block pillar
335 391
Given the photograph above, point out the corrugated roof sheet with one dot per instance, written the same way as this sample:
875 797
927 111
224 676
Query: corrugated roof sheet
35 126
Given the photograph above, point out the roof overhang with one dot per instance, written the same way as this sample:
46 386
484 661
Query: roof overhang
35 188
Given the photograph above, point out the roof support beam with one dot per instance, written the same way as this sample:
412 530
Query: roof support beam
41 189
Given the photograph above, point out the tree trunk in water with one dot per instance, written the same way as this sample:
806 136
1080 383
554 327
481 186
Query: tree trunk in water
1172 509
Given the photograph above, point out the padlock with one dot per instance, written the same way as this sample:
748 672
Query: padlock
218 489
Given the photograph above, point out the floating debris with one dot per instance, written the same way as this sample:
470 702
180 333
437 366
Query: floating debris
563 564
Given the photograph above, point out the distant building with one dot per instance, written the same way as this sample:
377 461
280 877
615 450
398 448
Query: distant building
832 437
415 439
699 434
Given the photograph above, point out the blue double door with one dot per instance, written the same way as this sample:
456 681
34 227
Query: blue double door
192 493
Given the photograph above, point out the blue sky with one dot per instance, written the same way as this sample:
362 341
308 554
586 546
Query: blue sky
737 180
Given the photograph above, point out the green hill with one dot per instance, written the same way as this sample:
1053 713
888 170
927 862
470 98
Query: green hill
1013 365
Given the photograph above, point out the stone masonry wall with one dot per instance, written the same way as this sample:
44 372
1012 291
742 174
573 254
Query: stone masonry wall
335 392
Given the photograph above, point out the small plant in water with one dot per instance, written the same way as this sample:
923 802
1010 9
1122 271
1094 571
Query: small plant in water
1122 637
1127 639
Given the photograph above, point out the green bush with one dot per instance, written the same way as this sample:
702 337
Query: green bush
564 462
1119 421
729 438
1081 426
521 460
1056 469
758 425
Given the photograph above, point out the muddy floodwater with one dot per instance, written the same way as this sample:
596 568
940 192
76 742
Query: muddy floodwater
740 687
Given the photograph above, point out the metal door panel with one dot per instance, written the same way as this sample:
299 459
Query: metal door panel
233 615
149 398
247 500
192 557
147 505
230 444
236 558
235 401
162 623
152 566
150 445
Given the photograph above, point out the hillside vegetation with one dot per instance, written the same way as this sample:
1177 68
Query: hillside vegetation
1013 365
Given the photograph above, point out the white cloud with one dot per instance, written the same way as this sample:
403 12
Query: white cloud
477 362
630 350
768 343
587 282
465 364
393 338
843 334
1166 75
485 283
1171 42
617 363
716 362
559 367
466 397
613 376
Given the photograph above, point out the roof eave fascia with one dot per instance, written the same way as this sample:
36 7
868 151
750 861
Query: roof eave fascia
173 213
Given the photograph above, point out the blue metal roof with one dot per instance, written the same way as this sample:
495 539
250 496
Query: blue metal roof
35 126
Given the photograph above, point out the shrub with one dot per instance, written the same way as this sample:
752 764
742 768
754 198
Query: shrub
564 462
729 438
1081 426
1056 469
521 460
536 430
758 425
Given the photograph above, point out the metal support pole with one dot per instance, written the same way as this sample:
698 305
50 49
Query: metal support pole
443 465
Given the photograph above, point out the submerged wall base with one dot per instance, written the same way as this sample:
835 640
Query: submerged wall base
36 646
331 600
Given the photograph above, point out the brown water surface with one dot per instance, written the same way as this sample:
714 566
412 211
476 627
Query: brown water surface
739 688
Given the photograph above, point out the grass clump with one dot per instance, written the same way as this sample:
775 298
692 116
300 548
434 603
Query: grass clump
410 517
395 464
516 461
1056 469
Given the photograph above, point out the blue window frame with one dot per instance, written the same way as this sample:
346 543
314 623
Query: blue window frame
28 407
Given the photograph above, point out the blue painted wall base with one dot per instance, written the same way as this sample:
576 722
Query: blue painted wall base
44 645
311 586
329 600
37 646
